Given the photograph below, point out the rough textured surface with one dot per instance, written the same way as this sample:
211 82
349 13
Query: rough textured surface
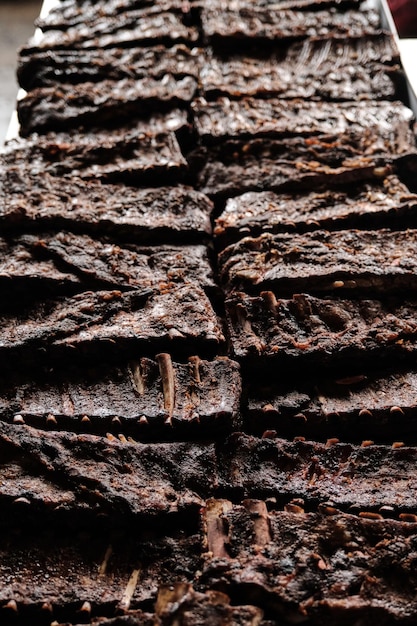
86 104
389 122
363 405
266 24
145 398
111 323
306 330
368 205
295 164
313 568
152 216
337 68
363 261
125 30
145 151
81 66
33 262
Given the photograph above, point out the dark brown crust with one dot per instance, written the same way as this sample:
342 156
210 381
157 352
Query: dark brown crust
297 164
94 104
309 331
125 30
387 122
368 205
263 24
175 215
111 323
351 261
146 152
361 405
131 399
81 66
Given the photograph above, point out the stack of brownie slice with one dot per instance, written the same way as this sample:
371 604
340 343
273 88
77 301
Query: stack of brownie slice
208 313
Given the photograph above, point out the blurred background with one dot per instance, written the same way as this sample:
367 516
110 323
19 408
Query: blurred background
16 26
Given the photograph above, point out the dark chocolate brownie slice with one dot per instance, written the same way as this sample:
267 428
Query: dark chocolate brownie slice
266 24
358 261
338 68
375 204
143 152
32 262
94 104
390 122
145 398
316 332
177 215
48 68
178 318
356 477
377 405
129 29
49 476
303 163
311 567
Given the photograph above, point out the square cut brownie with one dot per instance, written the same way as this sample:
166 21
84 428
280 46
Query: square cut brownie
176 215
319 332
145 151
47 68
145 398
265 24
66 262
389 122
355 261
111 324
374 204
94 104
364 405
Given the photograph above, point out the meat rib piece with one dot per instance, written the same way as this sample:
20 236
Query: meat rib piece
80 66
354 261
375 204
133 399
111 323
390 123
377 405
130 29
87 104
34 261
146 152
315 568
176 215
228 26
316 332
46 475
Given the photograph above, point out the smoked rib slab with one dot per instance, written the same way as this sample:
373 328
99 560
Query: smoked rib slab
355 261
321 332
377 405
175 215
86 104
388 122
231 27
377 204
80 66
65 261
145 151
111 324
145 398
307 69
